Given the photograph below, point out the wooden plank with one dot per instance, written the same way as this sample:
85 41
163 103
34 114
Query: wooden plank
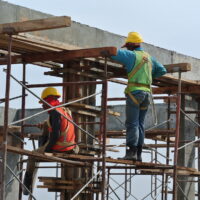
150 133
26 43
21 47
138 164
78 157
11 129
115 134
49 64
58 180
147 146
58 187
182 67
158 146
71 71
171 171
85 106
165 90
94 109
62 56
171 83
146 165
36 25
44 157
190 89
174 80
160 132
66 187
83 112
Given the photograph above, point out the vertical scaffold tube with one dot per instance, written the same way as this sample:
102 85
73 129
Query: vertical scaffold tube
104 115
178 109
6 110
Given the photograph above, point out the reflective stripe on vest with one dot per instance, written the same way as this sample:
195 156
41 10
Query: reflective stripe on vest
140 77
66 140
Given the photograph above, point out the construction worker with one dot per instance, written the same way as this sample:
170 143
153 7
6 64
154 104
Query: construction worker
58 133
141 68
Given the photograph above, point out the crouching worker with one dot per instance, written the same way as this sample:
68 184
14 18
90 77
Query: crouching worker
58 134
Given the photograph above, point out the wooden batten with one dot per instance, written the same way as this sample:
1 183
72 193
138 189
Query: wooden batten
45 157
189 89
62 56
178 67
90 110
35 25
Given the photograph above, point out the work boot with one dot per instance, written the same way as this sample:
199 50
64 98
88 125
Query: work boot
139 153
131 154
27 182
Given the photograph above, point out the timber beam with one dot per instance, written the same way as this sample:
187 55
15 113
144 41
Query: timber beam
62 56
178 67
148 134
35 25
45 157
170 172
160 132
190 89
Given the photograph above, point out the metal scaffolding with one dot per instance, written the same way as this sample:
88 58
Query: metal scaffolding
92 172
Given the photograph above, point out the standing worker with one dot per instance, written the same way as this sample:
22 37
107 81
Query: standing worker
58 133
141 68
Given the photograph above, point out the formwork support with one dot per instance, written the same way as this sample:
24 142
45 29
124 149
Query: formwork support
178 104
5 132
22 123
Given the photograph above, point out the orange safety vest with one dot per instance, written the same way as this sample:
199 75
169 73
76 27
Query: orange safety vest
67 138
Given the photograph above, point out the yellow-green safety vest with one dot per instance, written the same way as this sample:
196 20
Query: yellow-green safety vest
140 77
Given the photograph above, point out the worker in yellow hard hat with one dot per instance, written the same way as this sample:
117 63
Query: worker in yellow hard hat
133 38
61 129
140 68
60 136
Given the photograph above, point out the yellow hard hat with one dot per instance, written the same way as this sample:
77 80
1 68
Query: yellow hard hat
50 91
134 37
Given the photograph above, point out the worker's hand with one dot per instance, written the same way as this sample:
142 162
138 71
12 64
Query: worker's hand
48 154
